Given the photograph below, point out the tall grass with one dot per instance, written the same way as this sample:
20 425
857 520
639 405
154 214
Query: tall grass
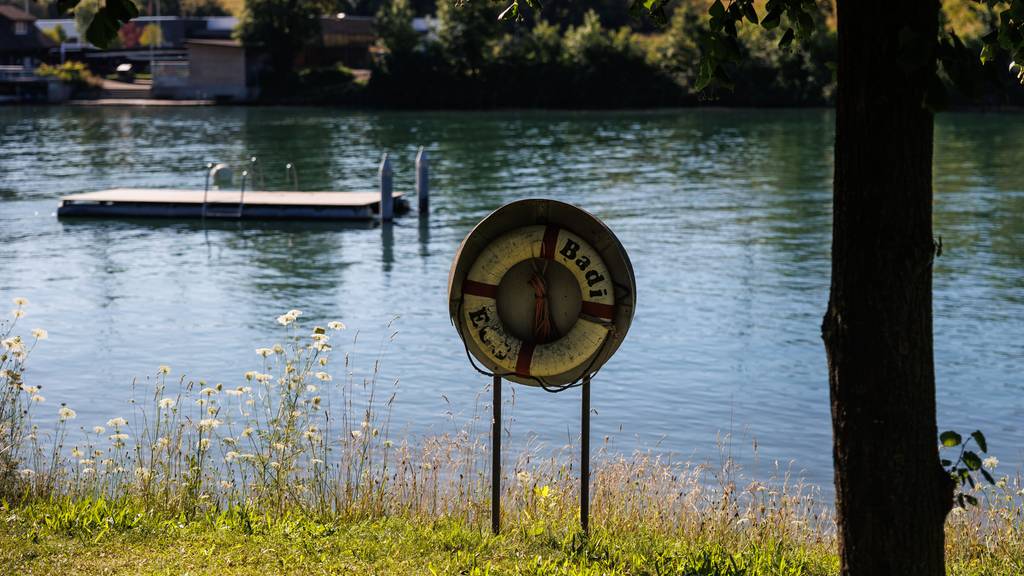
304 434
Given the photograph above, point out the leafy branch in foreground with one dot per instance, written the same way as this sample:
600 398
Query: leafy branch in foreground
968 463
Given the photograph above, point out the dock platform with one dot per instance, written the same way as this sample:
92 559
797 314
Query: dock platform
255 205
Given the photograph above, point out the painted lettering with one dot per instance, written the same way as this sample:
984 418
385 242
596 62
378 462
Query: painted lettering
570 249
478 316
593 277
583 263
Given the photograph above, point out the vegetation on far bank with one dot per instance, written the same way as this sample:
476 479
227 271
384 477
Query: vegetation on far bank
292 469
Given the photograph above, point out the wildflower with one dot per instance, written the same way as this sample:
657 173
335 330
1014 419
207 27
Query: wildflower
224 484
523 476
250 375
26 473
166 403
316 461
86 462
235 392
278 446
316 401
265 352
164 369
375 432
278 349
263 378
201 402
76 453
13 344
323 376
98 429
119 437
295 313
40 334
162 442
335 325
143 473
66 413
322 360
311 435
356 434
97 453
19 301
388 443
285 319
321 346
275 465
318 337
426 466
30 389
208 391
231 456
88 471
310 388
18 313
204 444
990 463
117 422
38 399
209 423
247 431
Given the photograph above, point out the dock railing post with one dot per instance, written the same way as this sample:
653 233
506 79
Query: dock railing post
496 457
387 199
423 180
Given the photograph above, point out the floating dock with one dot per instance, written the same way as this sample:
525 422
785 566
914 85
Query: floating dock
255 205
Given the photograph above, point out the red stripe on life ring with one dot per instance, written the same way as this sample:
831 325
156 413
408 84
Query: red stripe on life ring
550 242
474 288
524 359
606 311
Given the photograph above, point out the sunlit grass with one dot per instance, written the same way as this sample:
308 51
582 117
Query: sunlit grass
292 468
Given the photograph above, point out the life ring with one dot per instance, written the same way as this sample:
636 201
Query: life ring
532 359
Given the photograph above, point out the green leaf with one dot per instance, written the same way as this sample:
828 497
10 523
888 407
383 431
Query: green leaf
717 10
772 20
971 499
945 462
972 460
988 476
749 13
787 38
980 439
950 439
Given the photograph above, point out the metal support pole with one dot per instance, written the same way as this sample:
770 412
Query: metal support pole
496 458
387 200
585 457
423 181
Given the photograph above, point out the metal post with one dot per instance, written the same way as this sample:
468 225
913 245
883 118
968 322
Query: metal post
585 457
496 458
387 200
422 180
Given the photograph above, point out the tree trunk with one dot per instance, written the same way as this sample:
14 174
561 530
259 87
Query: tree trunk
892 495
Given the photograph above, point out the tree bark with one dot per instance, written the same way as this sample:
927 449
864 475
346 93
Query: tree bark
892 495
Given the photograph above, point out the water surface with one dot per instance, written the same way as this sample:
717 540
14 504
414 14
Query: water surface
725 214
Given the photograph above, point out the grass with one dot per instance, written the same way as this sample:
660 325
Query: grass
291 469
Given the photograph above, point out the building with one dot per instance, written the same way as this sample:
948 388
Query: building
214 70
21 43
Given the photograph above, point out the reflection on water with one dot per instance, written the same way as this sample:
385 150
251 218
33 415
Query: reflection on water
726 215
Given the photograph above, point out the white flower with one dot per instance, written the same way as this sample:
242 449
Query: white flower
86 462
275 465
990 463
18 313
285 319
310 388
316 461
209 423
164 369
356 434
117 422
295 313
323 376
66 413
318 337
335 325
26 473
278 349
250 375
143 473
76 453
388 443
166 403
278 446
247 431
208 391
98 429
88 471
263 378
224 484
38 399
19 301
265 352
40 334
119 437
162 442
204 444
236 392
30 389
231 456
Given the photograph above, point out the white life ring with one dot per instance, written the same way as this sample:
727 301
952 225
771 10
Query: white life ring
528 359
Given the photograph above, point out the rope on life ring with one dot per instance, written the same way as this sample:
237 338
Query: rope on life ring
542 356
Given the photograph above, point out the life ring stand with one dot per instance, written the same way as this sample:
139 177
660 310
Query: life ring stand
541 293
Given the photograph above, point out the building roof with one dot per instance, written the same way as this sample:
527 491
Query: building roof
14 14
